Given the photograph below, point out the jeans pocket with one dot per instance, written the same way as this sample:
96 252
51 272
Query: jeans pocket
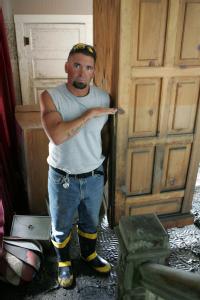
55 177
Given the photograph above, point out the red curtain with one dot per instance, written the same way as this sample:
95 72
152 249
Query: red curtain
12 193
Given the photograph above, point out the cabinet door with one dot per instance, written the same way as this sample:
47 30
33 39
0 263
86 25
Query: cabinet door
158 136
35 152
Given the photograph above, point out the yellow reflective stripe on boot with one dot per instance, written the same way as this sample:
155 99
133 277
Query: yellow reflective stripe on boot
104 269
62 244
91 256
91 236
64 263
65 283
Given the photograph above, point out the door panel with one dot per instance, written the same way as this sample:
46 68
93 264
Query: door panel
144 107
148 32
176 161
188 43
140 170
183 105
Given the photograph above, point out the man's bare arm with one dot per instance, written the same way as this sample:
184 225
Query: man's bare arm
58 130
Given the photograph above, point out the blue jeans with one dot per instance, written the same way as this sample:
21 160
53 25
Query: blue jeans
83 195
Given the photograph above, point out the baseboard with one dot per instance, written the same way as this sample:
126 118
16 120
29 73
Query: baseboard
176 220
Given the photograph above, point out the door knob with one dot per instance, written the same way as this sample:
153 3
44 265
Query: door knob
150 112
172 181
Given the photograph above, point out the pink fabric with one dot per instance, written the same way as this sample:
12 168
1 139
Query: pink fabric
1 227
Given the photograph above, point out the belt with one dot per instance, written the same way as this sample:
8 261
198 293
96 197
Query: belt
78 176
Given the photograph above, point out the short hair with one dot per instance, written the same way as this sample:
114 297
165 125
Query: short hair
84 49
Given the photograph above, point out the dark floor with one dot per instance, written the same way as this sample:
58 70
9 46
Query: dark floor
185 254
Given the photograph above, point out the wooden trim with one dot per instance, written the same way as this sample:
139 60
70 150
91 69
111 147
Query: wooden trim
29 119
125 51
27 108
164 107
159 207
176 220
193 168
180 71
106 16
173 139
170 42
145 199
53 18
158 169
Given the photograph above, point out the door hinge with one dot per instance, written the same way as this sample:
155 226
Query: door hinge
26 40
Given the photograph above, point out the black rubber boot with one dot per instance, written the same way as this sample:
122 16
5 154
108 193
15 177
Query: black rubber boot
65 275
87 243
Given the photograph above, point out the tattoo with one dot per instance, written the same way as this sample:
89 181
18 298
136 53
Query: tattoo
49 111
52 110
76 129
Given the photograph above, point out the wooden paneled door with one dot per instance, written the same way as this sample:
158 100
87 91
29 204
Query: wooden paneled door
156 56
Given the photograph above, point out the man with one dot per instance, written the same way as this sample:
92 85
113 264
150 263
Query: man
73 116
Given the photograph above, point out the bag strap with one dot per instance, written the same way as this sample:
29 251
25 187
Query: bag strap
23 243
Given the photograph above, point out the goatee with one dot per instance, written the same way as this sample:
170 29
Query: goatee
79 85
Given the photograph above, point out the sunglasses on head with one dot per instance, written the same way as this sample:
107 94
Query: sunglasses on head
83 46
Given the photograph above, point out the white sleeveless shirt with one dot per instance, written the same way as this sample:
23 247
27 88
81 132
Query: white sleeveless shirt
83 152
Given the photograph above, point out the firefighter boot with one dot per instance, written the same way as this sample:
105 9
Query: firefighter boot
87 243
65 275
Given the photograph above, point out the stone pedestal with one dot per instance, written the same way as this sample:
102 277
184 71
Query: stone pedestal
141 239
